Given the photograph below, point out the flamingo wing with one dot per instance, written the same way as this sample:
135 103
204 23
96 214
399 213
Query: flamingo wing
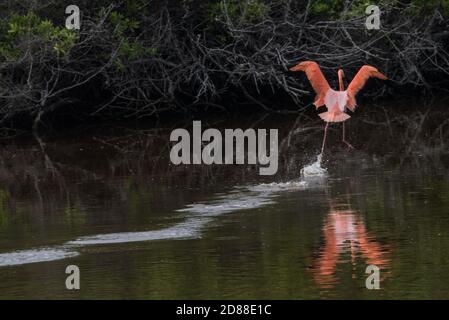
359 81
316 78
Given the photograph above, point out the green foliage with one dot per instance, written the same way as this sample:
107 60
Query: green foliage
329 8
130 51
130 48
358 7
40 32
236 12
122 24
250 11
427 6
255 11
333 9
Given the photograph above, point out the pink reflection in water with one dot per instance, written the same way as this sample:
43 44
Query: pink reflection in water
345 232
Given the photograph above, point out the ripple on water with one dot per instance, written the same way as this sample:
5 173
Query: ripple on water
197 216
187 229
35 255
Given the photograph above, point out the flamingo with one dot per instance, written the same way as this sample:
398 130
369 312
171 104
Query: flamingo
336 102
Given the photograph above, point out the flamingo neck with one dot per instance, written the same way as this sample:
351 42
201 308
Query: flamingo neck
340 80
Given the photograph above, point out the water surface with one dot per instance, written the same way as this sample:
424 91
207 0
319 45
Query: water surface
108 201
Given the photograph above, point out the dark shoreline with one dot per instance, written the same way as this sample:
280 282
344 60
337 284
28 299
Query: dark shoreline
60 121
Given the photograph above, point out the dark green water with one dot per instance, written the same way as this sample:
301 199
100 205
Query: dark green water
109 202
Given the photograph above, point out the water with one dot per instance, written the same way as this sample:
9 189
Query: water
314 169
109 202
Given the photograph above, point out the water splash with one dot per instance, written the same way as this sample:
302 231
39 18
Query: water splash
315 169
280 186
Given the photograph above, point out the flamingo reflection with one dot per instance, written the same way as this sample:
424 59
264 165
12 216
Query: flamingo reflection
344 233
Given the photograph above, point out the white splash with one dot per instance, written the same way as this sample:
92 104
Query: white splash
314 170
280 186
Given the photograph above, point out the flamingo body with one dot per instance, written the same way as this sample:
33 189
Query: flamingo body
336 102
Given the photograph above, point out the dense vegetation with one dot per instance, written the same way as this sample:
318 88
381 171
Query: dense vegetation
138 57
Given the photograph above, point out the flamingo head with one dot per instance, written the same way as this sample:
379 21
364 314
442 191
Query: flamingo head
341 74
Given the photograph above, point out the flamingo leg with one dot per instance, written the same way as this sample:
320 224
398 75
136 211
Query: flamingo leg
324 138
344 138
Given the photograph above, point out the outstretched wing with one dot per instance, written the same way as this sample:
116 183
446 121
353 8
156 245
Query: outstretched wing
316 78
359 81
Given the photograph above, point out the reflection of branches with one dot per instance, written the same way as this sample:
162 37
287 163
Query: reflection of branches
127 157
48 163
418 134
49 167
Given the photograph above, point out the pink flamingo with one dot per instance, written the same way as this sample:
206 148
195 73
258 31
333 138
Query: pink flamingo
336 101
